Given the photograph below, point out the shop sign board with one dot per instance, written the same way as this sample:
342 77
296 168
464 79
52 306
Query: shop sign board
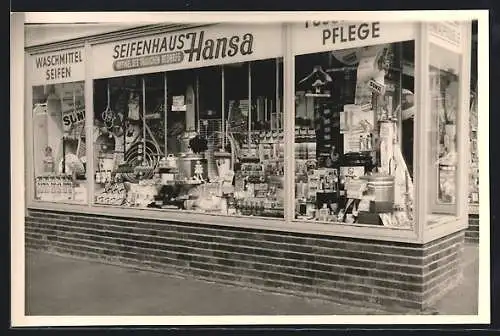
320 36
446 34
184 49
62 66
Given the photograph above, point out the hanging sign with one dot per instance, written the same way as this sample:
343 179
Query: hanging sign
446 34
314 36
73 117
57 67
178 103
190 48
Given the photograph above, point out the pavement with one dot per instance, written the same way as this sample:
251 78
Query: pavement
61 285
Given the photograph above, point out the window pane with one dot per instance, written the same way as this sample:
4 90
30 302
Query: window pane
210 151
59 143
444 96
354 136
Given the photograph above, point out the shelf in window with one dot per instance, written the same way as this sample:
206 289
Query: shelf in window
318 95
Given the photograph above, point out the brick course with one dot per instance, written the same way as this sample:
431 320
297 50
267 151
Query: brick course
392 274
472 232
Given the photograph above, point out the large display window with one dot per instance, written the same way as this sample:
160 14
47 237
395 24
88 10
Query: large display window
197 121
444 71
445 99
354 136
473 135
474 159
448 102
60 143
206 140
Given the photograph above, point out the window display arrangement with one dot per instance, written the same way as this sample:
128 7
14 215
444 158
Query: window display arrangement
194 120
59 143
207 140
351 164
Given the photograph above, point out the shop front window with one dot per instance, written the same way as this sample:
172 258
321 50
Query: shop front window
474 159
473 124
59 143
444 71
354 136
206 140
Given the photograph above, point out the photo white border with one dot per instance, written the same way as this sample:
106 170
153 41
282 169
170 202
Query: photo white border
18 317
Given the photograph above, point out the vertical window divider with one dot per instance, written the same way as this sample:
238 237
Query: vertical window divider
165 109
29 130
89 123
421 141
223 107
278 106
463 115
289 121
249 116
399 87
63 140
197 102
144 120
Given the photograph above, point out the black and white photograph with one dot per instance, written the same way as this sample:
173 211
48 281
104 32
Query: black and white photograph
185 168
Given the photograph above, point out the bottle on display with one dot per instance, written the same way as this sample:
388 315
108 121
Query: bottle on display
48 161
50 188
64 188
369 144
46 188
69 188
324 213
333 208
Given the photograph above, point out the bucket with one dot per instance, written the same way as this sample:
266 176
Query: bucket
382 188
167 178
170 162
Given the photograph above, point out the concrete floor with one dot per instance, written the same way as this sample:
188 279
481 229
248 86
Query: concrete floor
57 285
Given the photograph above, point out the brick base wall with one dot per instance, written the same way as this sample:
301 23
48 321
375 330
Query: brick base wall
397 276
472 232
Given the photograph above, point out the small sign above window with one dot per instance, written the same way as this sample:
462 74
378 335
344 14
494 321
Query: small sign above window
178 103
